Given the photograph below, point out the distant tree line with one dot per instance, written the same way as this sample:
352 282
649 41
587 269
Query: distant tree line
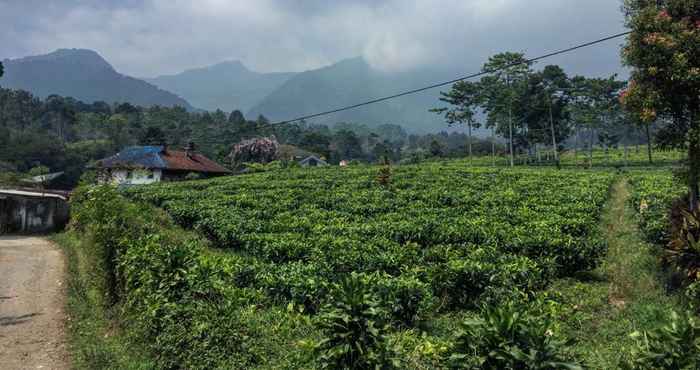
532 109
65 134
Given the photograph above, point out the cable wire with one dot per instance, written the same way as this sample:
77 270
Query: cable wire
440 84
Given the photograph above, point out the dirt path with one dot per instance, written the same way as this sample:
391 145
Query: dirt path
32 317
624 294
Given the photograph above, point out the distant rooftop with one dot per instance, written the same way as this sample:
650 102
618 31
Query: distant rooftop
158 157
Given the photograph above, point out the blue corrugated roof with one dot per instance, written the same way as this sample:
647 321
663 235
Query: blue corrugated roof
141 156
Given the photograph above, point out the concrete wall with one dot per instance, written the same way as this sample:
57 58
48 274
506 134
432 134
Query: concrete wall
132 177
27 214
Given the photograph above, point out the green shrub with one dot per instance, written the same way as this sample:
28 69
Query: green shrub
407 299
303 284
675 345
175 296
485 275
355 328
504 338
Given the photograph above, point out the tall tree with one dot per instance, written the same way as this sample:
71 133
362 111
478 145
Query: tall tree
464 99
347 145
594 105
502 91
236 118
665 59
548 118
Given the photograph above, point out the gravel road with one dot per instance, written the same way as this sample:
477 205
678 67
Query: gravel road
32 317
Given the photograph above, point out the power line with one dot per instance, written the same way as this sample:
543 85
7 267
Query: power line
440 84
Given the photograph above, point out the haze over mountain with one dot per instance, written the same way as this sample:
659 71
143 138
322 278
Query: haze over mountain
352 81
226 86
84 75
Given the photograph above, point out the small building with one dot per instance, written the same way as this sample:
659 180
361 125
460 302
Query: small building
138 165
42 180
32 211
313 161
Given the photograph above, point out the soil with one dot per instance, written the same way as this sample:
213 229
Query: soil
32 300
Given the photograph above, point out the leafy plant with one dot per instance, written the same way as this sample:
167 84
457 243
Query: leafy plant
504 338
684 249
384 176
675 345
406 298
355 328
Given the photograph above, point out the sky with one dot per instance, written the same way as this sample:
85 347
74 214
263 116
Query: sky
154 37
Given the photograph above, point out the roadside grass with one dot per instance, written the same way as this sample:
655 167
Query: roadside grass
624 294
95 341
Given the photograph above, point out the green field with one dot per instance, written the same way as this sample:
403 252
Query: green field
464 234
633 157
269 258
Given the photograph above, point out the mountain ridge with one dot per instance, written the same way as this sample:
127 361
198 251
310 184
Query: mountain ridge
226 85
352 81
84 75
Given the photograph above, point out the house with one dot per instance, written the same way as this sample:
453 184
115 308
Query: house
32 210
313 161
148 164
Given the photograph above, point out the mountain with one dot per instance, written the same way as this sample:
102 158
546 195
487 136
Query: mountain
226 86
352 81
84 75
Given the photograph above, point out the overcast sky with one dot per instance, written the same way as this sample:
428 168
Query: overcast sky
152 37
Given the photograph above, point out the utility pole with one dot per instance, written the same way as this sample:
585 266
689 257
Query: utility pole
510 120
469 127
648 142
554 138
493 146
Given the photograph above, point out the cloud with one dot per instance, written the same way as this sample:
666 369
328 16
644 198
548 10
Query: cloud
151 37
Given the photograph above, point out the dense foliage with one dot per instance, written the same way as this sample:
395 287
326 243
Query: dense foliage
654 195
355 328
532 109
507 338
336 261
664 55
672 346
188 308
663 216
443 226
65 134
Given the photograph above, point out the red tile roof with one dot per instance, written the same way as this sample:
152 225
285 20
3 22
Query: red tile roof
179 161
159 157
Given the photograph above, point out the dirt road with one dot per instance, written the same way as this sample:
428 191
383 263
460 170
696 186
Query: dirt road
32 318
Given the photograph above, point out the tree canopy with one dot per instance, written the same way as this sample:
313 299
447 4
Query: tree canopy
664 53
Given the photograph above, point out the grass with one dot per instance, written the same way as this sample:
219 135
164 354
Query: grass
624 294
95 340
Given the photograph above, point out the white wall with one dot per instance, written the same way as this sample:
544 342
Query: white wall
135 177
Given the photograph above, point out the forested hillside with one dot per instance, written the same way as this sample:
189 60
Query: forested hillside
350 82
64 134
83 75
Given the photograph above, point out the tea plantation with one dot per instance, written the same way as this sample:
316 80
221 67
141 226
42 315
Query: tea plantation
436 265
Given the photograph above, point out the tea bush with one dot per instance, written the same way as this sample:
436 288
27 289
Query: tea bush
462 235
181 306
653 195
437 239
